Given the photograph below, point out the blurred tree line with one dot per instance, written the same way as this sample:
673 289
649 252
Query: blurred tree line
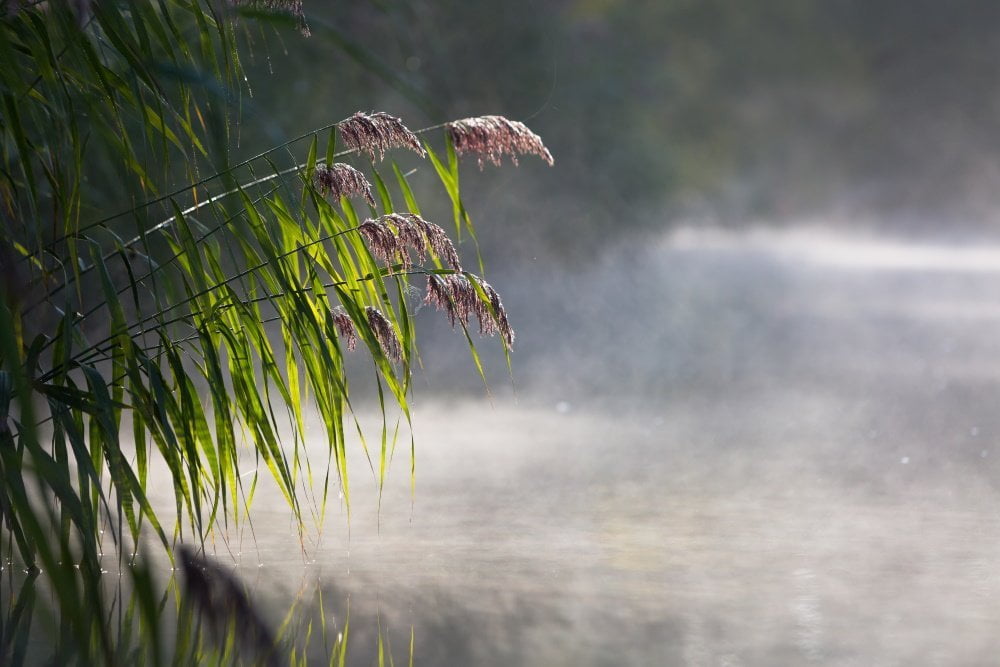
667 110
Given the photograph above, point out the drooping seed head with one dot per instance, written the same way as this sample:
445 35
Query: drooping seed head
492 137
439 241
439 296
345 327
391 237
383 242
493 319
384 334
376 133
453 294
419 234
458 297
409 235
342 180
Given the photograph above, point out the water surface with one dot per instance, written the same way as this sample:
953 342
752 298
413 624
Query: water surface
765 450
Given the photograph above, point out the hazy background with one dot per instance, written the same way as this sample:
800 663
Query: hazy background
674 110
758 312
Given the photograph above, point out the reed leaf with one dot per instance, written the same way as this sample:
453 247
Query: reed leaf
172 312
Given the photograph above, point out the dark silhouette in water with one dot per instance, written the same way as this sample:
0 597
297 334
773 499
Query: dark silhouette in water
221 598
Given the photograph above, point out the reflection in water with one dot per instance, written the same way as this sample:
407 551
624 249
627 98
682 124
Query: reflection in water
217 598
793 462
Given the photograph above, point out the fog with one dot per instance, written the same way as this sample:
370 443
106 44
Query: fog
751 412
750 415
740 448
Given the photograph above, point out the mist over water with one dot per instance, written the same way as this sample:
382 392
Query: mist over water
723 443
748 448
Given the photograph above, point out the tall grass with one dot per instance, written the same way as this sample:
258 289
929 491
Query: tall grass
165 306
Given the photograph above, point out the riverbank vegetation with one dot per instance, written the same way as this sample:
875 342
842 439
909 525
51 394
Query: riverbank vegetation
178 295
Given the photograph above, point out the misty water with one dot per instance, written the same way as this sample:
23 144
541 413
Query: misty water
756 449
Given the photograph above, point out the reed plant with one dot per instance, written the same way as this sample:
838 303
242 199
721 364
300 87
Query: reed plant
166 305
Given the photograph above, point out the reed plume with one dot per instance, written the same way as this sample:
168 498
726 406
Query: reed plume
342 180
377 133
344 325
460 299
201 347
384 334
393 236
492 137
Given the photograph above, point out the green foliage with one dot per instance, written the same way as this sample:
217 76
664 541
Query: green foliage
165 306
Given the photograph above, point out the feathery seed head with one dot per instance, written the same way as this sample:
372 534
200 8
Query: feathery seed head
458 297
391 237
439 296
384 334
493 320
439 241
345 327
492 137
376 133
342 180
381 240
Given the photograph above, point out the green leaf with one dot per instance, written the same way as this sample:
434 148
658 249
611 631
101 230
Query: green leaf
404 186
383 192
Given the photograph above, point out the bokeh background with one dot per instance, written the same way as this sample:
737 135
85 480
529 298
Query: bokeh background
881 113
753 411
